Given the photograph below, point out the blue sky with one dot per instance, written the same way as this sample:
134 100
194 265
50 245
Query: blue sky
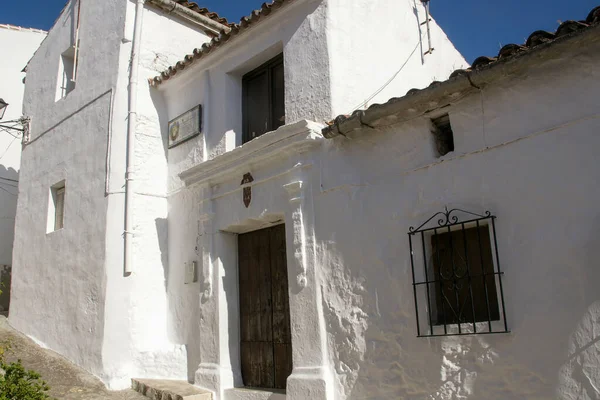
476 27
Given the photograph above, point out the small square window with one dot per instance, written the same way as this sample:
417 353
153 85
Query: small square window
56 208
443 135
456 275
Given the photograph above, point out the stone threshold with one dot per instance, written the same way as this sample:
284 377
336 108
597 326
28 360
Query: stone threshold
254 394
158 389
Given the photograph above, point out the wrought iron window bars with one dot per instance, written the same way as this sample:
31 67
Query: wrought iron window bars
457 280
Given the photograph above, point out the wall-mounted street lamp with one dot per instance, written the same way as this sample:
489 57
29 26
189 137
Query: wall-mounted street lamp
3 107
24 122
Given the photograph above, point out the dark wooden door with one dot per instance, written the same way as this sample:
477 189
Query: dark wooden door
266 341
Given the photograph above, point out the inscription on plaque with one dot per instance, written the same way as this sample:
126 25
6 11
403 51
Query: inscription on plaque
185 127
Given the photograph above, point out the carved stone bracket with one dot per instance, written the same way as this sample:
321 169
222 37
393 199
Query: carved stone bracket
296 194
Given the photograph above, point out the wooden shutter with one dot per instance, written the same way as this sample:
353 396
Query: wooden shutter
277 96
263 99
450 261
256 99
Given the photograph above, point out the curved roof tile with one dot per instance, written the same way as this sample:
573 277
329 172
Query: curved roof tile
236 29
510 50
204 11
594 16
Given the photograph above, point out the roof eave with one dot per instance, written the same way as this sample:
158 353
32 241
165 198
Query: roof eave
210 26
441 94
237 30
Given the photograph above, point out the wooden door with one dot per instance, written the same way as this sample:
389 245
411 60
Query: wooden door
266 342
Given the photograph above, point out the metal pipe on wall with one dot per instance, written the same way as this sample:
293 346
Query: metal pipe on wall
131 127
427 20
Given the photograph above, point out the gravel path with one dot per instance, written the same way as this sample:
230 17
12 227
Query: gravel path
66 380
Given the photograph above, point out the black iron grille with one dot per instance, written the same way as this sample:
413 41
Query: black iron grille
457 278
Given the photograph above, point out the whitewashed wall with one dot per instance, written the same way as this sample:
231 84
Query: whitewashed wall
321 70
149 347
70 292
23 42
215 81
59 278
525 150
526 154
377 51
337 54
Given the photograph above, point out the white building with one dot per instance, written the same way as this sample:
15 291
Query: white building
265 250
18 45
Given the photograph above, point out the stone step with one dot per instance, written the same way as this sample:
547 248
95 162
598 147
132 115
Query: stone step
158 389
254 394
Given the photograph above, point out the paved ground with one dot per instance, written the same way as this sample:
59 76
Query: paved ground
67 381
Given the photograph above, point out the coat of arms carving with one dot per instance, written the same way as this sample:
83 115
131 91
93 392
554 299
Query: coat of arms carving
248 178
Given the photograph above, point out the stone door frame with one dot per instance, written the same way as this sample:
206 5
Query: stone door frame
223 215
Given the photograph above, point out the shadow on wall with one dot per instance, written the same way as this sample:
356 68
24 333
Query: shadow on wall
5 279
176 335
9 182
162 232
579 376
163 118
369 312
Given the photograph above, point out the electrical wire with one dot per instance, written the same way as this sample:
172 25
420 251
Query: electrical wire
5 129
12 194
7 148
8 184
8 179
381 89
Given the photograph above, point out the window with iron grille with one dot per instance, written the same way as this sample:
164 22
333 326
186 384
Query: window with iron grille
457 280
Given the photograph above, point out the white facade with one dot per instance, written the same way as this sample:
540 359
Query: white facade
22 43
69 289
521 151
524 150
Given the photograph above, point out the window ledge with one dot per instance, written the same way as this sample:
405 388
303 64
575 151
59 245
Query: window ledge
293 138
55 231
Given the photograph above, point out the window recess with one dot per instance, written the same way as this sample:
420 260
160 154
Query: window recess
457 280
67 72
56 208
263 103
443 135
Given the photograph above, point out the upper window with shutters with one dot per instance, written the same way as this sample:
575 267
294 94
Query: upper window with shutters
263 99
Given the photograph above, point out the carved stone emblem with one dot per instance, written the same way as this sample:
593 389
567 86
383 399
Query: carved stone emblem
248 178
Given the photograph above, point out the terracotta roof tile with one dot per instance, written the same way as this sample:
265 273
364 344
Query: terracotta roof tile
236 29
204 11
20 28
537 38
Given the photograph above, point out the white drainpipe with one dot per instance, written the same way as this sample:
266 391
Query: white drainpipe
131 128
